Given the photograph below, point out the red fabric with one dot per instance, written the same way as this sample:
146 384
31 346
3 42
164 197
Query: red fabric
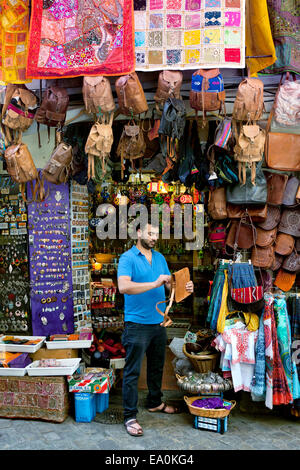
96 37
247 295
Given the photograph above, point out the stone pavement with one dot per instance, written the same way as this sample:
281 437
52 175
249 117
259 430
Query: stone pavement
247 430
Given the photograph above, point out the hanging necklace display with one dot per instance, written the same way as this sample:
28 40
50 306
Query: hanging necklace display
50 262
14 278
80 257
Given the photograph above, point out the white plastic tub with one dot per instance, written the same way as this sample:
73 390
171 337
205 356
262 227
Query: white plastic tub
65 367
69 344
31 348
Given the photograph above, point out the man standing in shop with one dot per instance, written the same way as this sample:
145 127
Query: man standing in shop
143 274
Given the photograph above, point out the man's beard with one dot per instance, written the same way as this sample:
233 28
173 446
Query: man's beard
145 244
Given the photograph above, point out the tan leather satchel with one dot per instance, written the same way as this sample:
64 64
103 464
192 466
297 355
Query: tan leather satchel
284 244
263 257
249 150
131 96
217 204
276 183
20 166
265 237
98 144
169 84
249 100
257 213
97 95
178 292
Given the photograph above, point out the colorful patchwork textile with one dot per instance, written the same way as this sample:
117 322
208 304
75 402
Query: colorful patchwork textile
189 34
14 26
285 21
80 37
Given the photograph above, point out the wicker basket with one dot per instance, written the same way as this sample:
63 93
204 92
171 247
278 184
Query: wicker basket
202 362
207 413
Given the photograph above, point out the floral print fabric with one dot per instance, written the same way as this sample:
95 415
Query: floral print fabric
81 37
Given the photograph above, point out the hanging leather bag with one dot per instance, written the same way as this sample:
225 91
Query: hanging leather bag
249 100
131 96
282 150
131 145
178 292
207 91
20 166
58 168
276 184
97 95
249 150
257 213
249 194
217 204
169 84
99 144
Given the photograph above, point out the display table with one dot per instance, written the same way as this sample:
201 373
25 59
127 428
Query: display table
43 398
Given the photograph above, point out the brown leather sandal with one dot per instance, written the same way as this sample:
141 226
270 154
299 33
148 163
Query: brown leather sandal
163 410
129 424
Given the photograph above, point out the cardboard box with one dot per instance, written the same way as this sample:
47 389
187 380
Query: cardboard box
91 381
44 353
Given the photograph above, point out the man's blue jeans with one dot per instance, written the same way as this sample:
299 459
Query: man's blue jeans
137 340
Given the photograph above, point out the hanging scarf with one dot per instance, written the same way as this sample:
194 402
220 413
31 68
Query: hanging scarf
268 351
285 344
294 310
281 391
258 387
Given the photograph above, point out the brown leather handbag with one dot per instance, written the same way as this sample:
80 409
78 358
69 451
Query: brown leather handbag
263 257
169 84
276 184
265 237
290 222
249 100
178 293
292 262
272 220
290 193
131 96
241 234
217 204
257 213
282 150
284 244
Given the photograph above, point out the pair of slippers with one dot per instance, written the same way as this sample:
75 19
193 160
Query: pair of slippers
137 431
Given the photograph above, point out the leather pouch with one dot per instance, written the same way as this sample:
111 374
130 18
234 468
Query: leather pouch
284 244
276 184
178 290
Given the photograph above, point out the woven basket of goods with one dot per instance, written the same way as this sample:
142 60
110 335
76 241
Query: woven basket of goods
201 361
194 406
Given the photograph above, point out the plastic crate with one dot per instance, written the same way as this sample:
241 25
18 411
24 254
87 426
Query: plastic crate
102 402
219 425
85 407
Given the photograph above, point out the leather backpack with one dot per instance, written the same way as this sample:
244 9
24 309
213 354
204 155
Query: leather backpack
249 150
53 109
97 95
18 111
131 145
249 100
20 166
169 84
99 144
207 91
58 168
131 96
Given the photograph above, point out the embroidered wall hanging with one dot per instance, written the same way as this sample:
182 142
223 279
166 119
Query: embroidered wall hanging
69 38
189 34
14 27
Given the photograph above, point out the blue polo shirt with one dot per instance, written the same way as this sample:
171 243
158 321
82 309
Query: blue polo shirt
140 308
